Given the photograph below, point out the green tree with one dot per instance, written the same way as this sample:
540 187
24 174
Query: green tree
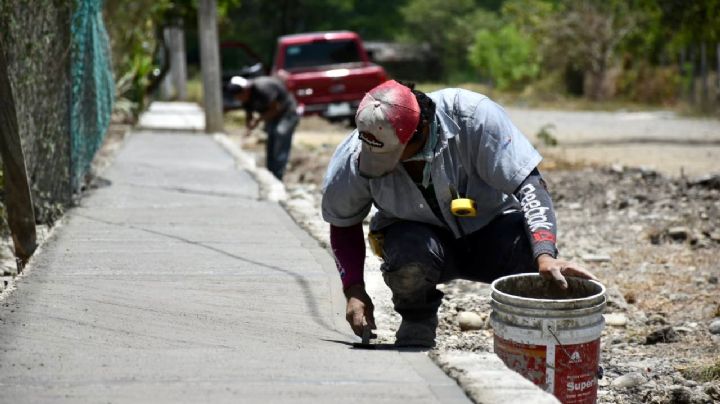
506 56
135 31
534 18
587 37
449 27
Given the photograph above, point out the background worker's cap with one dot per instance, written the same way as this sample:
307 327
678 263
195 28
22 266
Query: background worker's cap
386 119
237 84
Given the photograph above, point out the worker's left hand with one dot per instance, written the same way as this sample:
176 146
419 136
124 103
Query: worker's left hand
557 269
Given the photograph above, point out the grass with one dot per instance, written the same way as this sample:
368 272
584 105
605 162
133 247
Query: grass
235 119
703 374
194 90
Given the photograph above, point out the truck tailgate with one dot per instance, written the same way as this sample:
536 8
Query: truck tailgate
335 85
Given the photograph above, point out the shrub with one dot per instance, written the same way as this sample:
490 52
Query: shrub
506 57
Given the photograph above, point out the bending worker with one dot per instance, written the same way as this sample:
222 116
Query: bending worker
458 196
268 97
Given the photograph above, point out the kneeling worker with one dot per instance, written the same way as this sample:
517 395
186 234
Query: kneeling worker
458 194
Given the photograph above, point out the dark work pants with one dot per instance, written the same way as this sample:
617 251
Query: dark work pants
418 256
280 132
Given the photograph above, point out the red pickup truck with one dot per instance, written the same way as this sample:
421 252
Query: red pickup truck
327 72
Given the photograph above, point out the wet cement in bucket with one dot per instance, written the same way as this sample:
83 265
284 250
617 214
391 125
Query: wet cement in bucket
536 287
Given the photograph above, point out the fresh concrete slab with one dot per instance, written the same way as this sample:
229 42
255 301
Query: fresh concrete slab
173 116
175 283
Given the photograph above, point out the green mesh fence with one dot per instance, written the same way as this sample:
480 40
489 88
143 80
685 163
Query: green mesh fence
37 42
93 87
59 69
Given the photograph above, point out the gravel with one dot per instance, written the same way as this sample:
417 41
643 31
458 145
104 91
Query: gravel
651 240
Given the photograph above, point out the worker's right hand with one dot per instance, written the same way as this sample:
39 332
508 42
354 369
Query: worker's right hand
359 310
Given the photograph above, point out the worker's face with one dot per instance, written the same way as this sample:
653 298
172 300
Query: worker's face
244 95
414 146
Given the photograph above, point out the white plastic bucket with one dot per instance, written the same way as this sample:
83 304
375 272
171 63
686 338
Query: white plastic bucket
548 335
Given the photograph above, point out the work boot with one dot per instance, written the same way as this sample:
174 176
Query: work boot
417 333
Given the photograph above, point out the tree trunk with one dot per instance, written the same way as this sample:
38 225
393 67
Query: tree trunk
178 62
210 64
167 89
692 98
683 74
704 76
174 85
717 77
18 201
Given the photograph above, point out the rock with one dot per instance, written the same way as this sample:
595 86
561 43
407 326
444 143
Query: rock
628 380
663 335
713 391
656 319
615 319
648 172
681 395
679 297
468 320
596 258
617 168
574 206
615 299
712 279
690 383
706 181
678 233
715 326
616 340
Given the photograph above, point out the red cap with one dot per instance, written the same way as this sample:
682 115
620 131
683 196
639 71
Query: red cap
386 119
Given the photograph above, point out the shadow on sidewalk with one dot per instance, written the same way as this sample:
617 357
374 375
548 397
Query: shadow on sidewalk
378 347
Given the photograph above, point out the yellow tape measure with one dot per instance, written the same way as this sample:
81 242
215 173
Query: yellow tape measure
463 207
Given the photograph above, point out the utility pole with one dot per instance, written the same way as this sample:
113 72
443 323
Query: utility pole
178 69
210 64
174 85
717 76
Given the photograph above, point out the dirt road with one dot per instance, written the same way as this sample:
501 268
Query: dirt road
661 141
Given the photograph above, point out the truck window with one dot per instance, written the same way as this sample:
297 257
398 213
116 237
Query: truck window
321 54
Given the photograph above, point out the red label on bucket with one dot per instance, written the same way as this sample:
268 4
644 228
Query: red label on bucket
528 360
576 372
575 367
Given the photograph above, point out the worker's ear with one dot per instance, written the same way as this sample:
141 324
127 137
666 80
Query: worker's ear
419 134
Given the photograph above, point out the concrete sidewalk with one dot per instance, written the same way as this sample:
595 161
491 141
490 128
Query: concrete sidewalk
176 283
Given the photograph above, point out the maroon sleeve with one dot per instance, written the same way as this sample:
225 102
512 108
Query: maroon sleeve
348 245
